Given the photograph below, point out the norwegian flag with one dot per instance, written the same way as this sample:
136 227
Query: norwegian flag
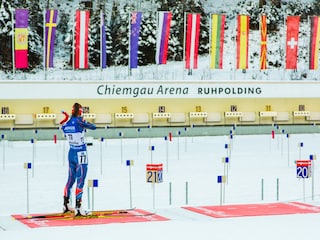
81 58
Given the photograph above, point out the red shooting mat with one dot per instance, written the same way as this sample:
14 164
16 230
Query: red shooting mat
136 215
245 210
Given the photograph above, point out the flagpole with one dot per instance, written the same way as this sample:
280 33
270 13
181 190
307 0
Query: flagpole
285 48
129 53
13 45
44 45
73 46
101 19
184 45
210 45
235 48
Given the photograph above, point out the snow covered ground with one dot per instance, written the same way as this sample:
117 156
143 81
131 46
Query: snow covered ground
196 161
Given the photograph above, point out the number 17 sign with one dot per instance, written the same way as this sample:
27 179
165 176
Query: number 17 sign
303 168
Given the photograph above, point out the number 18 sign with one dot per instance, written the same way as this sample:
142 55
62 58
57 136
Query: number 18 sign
303 168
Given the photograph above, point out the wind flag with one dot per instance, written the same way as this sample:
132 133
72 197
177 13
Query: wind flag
81 58
50 35
217 40
292 41
242 41
21 38
314 42
192 40
103 47
263 44
164 22
135 22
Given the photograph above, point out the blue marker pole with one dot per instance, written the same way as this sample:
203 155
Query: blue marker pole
300 146
185 139
101 140
138 131
3 151
178 144
288 137
121 147
129 164
27 166
167 152
33 154
312 158
151 148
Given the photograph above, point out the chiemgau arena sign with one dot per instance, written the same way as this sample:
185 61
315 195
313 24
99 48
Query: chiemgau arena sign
152 89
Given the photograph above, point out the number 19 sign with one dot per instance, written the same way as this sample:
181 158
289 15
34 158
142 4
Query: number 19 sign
154 173
303 168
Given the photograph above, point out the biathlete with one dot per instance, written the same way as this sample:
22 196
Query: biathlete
73 129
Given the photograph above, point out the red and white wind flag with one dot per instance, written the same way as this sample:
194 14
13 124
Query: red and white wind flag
81 59
293 23
192 40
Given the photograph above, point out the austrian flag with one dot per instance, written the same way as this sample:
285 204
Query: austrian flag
292 41
192 40
81 59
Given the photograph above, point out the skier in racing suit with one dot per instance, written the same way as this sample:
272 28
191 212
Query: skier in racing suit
73 129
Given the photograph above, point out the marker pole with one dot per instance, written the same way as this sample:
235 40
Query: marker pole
3 152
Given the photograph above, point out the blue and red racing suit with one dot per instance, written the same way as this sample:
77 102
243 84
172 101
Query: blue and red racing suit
77 156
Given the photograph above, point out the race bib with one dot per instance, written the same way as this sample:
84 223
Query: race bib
75 139
82 157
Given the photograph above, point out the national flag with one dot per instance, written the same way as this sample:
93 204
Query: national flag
192 40
103 47
242 41
81 58
314 42
217 40
21 38
135 22
293 23
263 43
50 34
164 22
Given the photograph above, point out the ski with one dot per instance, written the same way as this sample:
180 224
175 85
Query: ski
92 214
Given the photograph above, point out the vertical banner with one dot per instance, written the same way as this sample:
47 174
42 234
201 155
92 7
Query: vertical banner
263 43
50 35
81 58
21 38
242 41
135 23
164 21
217 40
103 47
293 23
314 42
192 40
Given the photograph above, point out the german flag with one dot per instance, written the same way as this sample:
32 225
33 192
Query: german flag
314 42
217 39
263 49
242 41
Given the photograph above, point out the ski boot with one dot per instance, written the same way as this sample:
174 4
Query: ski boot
78 210
66 205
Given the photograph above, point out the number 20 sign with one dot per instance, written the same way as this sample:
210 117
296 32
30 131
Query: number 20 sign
303 168
154 173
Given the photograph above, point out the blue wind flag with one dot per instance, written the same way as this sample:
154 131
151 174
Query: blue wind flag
134 38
